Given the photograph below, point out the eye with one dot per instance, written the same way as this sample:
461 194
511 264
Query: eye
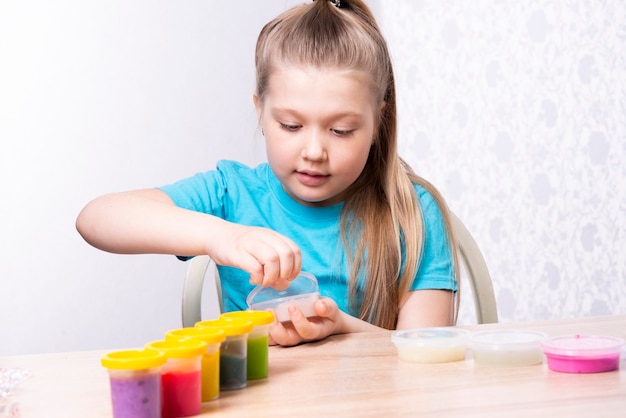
342 132
289 127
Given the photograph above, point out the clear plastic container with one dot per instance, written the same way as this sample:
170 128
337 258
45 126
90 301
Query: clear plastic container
507 347
233 350
583 353
430 345
135 379
210 363
258 341
302 292
181 376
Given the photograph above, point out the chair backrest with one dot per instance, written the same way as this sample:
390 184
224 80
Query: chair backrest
477 272
468 251
192 289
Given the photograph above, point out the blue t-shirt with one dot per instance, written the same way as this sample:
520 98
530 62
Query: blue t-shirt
254 197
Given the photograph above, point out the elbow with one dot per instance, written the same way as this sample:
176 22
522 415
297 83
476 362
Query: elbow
85 224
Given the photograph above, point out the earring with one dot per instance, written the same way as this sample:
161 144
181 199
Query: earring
262 132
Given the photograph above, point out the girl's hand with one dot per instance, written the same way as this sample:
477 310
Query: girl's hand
302 329
271 258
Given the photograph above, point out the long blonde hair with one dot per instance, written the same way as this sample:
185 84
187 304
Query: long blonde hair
382 211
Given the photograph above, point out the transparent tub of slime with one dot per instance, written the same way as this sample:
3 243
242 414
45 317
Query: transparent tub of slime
181 376
302 292
583 353
135 381
507 347
430 345
258 341
233 350
210 363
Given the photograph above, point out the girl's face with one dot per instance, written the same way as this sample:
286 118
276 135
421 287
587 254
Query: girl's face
319 126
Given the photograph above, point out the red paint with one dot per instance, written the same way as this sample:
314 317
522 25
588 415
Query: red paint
181 394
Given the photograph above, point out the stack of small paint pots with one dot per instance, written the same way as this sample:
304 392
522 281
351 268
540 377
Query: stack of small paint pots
174 376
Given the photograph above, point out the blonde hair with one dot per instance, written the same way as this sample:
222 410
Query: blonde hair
382 210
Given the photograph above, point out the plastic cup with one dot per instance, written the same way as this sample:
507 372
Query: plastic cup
181 379
135 379
258 341
430 345
302 292
210 359
507 347
233 350
583 353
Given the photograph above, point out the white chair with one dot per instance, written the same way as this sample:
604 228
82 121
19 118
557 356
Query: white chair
477 273
192 289
468 251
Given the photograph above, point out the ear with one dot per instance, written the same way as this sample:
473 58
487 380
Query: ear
257 105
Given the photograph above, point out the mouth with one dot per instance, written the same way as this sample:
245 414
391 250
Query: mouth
310 178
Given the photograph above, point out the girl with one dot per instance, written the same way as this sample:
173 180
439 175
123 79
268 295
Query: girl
334 198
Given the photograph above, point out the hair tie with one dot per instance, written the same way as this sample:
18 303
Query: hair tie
336 3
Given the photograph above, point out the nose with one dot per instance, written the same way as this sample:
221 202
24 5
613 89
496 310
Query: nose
313 147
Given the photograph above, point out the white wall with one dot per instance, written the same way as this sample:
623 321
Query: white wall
104 96
516 111
98 97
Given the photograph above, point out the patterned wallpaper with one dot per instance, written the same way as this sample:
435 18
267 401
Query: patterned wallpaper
516 110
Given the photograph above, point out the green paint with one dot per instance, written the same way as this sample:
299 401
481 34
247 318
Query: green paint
258 367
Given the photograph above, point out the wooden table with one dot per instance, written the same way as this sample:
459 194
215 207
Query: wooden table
357 375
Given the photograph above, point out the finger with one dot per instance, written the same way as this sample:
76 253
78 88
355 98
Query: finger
284 334
307 329
283 264
247 262
325 309
277 257
291 263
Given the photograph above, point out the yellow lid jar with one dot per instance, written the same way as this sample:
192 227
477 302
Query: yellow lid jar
210 364
135 381
233 350
258 341
181 379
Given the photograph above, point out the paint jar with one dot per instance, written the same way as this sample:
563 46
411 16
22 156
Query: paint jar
507 347
210 363
430 345
302 292
258 341
233 350
135 379
583 353
181 376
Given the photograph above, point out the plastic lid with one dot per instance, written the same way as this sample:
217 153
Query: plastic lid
303 284
583 345
257 317
430 337
208 335
506 339
230 326
140 359
179 348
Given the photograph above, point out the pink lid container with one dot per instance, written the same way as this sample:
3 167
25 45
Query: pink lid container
583 353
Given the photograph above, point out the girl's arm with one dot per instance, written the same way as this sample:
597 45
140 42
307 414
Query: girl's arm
148 221
329 321
423 308
427 308
144 221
